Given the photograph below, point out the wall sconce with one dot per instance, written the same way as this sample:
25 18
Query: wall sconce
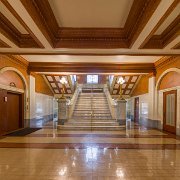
121 81
63 81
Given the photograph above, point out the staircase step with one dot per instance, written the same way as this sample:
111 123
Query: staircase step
95 128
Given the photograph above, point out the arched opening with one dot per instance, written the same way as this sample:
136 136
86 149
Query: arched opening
166 101
14 94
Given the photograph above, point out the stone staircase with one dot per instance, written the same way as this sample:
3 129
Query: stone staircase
91 113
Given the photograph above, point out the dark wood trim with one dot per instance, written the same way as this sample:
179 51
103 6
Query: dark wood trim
164 61
167 36
177 46
163 18
11 32
91 67
168 128
89 54
67 37
144 14
3 44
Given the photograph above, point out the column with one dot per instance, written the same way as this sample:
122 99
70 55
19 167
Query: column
62 111
151 91
32 101
121 111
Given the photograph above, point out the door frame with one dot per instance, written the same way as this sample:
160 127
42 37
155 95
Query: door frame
167 127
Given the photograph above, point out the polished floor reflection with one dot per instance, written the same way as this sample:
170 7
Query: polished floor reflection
134 153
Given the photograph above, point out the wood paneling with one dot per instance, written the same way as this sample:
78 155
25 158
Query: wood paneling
142 86
172 79
166 63
15 62
11 77
41 86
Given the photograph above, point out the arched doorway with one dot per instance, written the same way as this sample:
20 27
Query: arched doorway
13 94
167 91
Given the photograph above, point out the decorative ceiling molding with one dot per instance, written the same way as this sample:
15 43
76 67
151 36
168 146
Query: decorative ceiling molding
153 41
21 40
16 59
164 61
62 37
168 35
91 67
44 36
3 44
177 46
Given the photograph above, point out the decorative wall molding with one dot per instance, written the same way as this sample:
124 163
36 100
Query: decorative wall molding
164 61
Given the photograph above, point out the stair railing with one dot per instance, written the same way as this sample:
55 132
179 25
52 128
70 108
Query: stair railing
112 104
91 106
72 103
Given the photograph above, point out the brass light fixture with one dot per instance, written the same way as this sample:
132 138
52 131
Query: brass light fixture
121 81
63 81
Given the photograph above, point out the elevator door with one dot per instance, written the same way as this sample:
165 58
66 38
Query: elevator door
11 111
3 111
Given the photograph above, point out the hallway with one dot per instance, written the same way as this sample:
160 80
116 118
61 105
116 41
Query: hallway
135 153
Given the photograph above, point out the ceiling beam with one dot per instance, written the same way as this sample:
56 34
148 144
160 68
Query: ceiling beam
25 16
154 20
34 42
91 67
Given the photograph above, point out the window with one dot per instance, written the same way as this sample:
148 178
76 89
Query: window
92 79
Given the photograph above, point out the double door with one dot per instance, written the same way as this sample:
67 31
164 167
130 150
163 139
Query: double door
11 111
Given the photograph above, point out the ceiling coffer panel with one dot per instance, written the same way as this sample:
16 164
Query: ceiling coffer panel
57 87
130 82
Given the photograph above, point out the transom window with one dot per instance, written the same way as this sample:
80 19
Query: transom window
92 79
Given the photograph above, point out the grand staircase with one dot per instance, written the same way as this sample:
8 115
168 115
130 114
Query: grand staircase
91 113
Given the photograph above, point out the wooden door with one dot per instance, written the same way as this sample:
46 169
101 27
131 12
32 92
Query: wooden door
3 111
14 117
136 110
170 111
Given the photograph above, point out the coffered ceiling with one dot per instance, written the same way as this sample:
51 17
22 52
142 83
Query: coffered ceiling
96 27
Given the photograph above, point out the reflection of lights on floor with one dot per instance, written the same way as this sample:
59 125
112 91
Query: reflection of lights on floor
73 164
105 149
63 171
91 153
119 172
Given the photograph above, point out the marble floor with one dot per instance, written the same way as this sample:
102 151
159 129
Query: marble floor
51 154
